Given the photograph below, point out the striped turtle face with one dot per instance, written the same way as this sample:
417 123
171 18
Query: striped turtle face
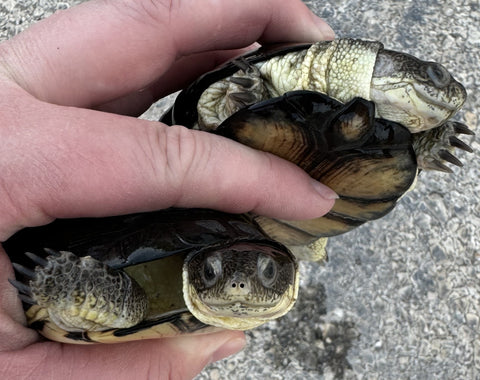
241 286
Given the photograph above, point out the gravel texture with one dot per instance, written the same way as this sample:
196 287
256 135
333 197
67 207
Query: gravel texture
399 297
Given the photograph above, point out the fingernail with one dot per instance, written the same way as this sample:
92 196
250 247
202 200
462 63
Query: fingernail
324 191
230 347
325 29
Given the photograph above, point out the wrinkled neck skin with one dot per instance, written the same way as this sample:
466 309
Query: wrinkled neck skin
341 69
418 94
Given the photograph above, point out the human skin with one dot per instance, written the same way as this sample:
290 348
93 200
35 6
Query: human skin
70 147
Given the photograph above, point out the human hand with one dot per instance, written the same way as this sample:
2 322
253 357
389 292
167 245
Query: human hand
62 157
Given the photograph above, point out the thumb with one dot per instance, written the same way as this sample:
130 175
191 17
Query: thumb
202 350
72 162
169 358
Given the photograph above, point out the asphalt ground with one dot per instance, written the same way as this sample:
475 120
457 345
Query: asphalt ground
399 298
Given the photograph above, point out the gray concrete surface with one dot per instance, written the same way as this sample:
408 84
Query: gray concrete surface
399 297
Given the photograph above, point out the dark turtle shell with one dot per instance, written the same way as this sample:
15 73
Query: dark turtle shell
121 241
369 162
184 110
369 170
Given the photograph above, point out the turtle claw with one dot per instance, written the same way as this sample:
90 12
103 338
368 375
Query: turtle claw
449 157
246 87
37 259
242 81
21 287
242 64
461 129
438 166
52 252
24 291
457 143
27 299
242 98
30 274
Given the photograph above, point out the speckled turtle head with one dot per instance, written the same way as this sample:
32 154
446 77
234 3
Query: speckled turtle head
239 288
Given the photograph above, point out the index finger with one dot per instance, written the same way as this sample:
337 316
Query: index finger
102 50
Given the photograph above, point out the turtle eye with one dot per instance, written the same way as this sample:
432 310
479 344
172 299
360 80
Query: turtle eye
267 270
212 270
438 75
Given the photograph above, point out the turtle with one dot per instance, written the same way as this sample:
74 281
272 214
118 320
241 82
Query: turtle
150 275
346 138
277 87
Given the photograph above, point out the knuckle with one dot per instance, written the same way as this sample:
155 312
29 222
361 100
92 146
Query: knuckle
173 152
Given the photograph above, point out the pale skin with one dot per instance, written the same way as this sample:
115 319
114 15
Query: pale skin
69 150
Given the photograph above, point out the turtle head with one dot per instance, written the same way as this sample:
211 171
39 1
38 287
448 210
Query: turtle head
241 286
418 94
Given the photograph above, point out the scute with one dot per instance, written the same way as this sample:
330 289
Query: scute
369 163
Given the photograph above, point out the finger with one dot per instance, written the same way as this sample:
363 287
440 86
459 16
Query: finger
102 50
183 72
169 358
66 162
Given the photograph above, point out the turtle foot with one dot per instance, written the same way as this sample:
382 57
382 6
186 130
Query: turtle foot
227 96
80 293
25 292
434 148
246 87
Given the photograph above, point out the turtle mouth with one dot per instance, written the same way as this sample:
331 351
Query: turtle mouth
423 111
239 315
241 308
448 105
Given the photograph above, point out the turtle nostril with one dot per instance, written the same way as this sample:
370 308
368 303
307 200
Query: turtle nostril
237 286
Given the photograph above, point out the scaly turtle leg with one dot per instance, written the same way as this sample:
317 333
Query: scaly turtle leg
81 293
